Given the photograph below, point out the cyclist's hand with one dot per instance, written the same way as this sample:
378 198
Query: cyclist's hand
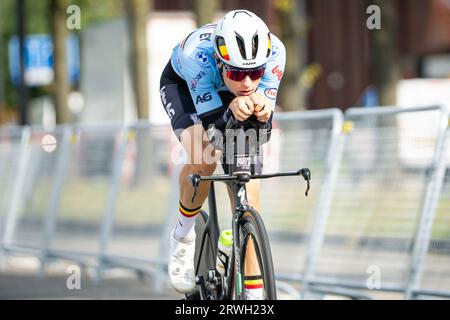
242 107
263 106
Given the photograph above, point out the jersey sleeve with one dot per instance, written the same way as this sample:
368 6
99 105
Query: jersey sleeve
199 80
274 72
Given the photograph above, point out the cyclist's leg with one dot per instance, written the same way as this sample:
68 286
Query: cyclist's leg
252 188
201 159
182 248
178 104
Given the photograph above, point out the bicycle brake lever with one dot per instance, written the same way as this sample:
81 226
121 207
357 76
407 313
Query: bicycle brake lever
306 173
195 179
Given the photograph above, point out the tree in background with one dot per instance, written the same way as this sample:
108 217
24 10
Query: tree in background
293 32
138 12
8 28
2 86
61 84
2 81
39 21
205 11
385 53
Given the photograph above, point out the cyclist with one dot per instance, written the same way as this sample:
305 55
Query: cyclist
233 67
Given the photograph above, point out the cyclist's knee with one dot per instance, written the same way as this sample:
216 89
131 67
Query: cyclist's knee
198 148
253 194
202 169
253 201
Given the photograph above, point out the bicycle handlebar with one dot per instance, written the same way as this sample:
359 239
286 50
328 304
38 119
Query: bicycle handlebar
246 177
251 122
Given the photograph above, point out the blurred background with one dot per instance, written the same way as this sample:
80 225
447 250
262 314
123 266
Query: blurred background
94 66
77 53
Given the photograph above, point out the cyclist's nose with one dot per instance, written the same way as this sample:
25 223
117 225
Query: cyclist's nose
247 81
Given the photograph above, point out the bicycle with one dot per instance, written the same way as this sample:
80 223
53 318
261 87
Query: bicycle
246 224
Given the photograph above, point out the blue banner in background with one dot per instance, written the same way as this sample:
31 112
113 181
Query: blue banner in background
73 59
39 60
370 97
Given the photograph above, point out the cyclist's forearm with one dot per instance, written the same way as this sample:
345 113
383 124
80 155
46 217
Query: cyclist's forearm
218 119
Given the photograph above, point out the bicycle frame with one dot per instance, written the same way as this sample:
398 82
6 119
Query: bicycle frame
241 206
239 175
212 228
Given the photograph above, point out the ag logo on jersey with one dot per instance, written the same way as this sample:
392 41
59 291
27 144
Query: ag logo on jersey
204 98
201 57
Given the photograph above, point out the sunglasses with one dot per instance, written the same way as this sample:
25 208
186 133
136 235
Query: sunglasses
237 74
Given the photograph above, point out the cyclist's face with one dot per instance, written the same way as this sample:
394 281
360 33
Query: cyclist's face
244 87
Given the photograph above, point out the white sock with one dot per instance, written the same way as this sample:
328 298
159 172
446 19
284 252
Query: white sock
185 227
254 288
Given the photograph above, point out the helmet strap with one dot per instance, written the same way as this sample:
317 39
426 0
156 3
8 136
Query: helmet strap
220 67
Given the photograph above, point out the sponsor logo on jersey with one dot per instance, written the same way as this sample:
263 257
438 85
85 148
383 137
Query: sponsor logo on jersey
201 57
277 72
205 36
271 93
196 79
275 51
203 98
168 106
170 111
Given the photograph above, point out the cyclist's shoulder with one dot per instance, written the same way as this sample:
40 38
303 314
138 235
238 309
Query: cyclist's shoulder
197 46
278 54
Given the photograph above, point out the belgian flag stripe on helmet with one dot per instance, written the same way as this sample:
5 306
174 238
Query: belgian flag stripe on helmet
224 52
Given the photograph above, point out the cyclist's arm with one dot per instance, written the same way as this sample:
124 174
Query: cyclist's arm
199 78
274 72
209 107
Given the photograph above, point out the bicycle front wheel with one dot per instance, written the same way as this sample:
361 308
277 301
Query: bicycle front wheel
255 242
205 255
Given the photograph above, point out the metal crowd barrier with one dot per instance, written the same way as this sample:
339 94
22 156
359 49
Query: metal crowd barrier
10 150
430 271
304 139
377 218
61 202
383 202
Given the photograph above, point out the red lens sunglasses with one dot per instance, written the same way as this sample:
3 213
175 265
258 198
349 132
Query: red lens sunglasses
237 74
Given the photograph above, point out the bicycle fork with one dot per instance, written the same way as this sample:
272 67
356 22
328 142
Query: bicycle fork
234 264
